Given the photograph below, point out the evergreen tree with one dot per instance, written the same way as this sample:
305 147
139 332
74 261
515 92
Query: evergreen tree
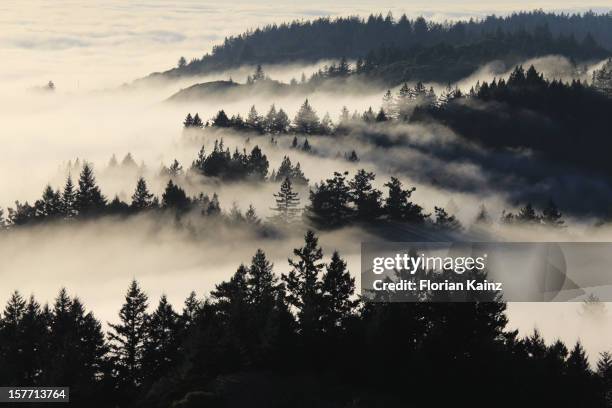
381 116
251 217
287 203
397 205
50 205
306 119
268 121
161 343
257 164
304 286
221 120
197 122
329 202
141 199
254 121
281 122
175 197
338 288
604 372
89 199
365 198
128 337
69 199
188 122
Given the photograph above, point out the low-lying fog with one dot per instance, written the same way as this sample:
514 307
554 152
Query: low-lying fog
90 118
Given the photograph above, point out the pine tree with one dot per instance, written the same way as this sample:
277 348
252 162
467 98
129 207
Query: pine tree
287 203
191 309
89 199
381 116
69 199
128 162
329 202
306 119
281 122
161 343
197 122
50 205
304 286
182 62
128 336
221 120
604 372
397 204
338 288
268 122
259 74
257 164
175 170
251 217
188 122
364 197
254 121
141 199
175 197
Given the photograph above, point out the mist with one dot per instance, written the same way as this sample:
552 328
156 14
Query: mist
92 116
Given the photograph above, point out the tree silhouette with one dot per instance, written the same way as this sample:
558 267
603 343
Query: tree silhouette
128 337
287 203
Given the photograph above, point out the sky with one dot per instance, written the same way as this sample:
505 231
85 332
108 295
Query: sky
90 46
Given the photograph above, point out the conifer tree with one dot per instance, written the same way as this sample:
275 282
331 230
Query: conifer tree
161 343
197 122
364 197
254 121
141 199
128 336
188 122
69 199
268 121
330 202
281 122
257 164
304 286
50 205
175 197
338 289
89 199
287 203
251 217
397 204
306 119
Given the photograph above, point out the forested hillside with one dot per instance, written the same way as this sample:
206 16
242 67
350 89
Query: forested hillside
581 36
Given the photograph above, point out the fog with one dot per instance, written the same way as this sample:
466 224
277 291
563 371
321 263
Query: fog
90 49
